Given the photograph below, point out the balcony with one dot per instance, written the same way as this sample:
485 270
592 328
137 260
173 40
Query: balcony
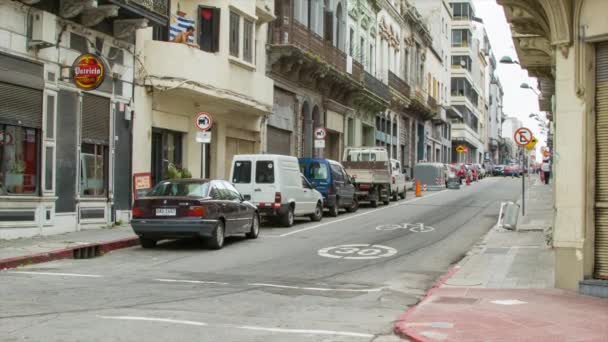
176 68
420 105
376 86
432 102
264 9
462 132
399 85
156 11
304 57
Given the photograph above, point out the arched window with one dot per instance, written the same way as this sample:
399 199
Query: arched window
338 39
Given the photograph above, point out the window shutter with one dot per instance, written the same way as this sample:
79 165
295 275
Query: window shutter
209 28
95 119
329 25
20 106
215 43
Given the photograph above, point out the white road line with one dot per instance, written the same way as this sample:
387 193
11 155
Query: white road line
316 288
58 274
242 327
154 319
191 281
356 215
307 331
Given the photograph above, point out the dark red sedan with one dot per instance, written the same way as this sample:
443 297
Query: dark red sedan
193 208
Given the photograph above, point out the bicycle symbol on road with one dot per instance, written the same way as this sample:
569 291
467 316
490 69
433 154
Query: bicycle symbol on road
357 252
412 227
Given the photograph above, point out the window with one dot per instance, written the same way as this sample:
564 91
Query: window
336 173
351 132
248 40
18 160
242 172
462 11
232 194
169 188
362 51
93 169
264 172
318 171
209 29
461 37
305 183
234 34
371 58
461 62
351 42
49 143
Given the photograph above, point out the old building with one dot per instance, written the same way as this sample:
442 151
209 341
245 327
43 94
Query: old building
224 75
467 86
563 43
437 16
317 85
65 149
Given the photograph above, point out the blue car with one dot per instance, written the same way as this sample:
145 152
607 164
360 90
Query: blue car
329 178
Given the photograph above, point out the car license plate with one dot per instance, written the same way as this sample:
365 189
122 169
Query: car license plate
165 211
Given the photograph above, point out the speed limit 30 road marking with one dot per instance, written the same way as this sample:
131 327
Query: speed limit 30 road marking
357 252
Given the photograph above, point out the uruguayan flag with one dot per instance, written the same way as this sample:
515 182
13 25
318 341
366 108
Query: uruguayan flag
180 24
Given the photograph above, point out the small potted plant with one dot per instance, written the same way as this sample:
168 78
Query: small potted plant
14 177
177 172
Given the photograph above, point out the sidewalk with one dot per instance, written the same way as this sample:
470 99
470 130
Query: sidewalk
503 290
82 244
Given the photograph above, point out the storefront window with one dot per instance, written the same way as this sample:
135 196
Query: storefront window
18 160
93 170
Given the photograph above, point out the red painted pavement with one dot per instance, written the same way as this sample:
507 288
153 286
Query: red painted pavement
468 314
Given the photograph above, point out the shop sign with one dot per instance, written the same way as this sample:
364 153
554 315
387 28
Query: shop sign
142 183
88 71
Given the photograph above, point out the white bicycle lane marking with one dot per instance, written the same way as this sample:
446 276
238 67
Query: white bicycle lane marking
350 217
412 227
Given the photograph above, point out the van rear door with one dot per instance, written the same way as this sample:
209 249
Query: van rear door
265 181
242 176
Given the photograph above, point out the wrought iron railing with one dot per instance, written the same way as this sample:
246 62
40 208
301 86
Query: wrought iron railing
376 86
157 6
432 102
398 84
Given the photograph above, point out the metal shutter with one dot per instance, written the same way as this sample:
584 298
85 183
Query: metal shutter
20 106
278 141
95 119
601 173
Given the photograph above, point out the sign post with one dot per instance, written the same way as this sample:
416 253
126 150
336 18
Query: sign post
320 134
523 137
203 122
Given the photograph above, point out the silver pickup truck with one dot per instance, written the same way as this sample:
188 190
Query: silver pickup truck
370 169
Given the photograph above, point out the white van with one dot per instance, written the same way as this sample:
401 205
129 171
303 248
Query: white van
274 184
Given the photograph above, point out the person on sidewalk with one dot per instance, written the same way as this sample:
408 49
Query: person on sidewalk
546 168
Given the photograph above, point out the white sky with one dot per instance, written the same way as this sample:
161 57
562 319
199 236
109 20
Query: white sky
517 102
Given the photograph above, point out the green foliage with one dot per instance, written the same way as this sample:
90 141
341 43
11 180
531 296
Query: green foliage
18 167
177 172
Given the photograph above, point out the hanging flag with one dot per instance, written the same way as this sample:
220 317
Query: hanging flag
179 23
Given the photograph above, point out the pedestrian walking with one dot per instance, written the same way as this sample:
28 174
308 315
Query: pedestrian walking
546 168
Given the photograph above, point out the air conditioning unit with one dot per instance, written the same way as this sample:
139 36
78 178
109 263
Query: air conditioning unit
44 30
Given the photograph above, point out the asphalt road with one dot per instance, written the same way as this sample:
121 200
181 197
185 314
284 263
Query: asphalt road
296 284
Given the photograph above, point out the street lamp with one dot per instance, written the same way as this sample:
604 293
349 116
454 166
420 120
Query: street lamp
508 60
527 86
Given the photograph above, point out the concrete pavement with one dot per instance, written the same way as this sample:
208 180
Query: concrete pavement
342 279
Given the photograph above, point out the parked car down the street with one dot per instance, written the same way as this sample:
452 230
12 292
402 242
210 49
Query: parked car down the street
275 185
193 208
498 170
329 178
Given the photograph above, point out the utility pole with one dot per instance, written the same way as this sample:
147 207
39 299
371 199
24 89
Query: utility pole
523 182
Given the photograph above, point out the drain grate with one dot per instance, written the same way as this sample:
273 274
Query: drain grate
455 300
86 252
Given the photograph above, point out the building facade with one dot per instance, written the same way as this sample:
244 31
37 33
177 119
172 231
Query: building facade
234 89
65 155
437 16
563 43
467 87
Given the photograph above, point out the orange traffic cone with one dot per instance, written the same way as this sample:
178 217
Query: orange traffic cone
418 190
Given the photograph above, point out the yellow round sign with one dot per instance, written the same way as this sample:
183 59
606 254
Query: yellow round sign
89 71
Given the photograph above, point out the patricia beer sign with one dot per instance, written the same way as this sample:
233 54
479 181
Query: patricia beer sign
88 71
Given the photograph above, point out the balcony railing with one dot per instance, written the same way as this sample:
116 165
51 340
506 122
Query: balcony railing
376 86
290 32
432 102
398 84
157 10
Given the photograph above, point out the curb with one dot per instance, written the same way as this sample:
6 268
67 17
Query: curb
67 253
404 332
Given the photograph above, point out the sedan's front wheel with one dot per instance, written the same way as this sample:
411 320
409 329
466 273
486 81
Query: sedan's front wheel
255 227
217 240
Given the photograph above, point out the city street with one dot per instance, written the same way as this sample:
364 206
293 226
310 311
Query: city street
342 279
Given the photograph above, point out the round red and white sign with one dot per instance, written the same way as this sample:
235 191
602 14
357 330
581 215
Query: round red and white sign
203 121
523 136
320 133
